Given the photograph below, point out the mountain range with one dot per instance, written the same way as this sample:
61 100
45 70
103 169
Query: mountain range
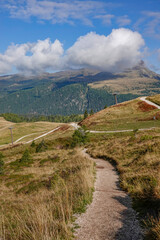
73 91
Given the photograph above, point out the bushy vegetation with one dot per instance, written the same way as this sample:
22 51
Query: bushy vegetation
42 146
80 137
26 157
33 144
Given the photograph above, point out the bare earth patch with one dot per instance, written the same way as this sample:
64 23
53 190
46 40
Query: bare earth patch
110 216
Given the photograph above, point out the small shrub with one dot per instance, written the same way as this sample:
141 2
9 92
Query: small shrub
26 157
33 144
85 114
1 156
91 112
146 137
79 137
1 163
41 147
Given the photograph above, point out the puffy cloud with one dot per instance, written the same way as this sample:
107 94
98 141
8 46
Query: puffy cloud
116 52
113 53
32 58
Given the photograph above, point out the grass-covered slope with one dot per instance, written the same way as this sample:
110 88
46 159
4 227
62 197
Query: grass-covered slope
42 187
30 130
133 114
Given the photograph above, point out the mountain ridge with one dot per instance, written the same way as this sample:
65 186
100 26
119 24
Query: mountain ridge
73 91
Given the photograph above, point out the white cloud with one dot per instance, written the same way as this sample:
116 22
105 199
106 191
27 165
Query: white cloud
56 11
123 20
150 22
32 58
116 52
106 19
113 53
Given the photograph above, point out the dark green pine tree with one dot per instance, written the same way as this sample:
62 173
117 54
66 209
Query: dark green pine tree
91 112
85 114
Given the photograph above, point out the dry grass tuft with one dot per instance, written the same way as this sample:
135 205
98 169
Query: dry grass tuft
38 199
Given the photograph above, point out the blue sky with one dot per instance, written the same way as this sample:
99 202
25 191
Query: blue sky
48 35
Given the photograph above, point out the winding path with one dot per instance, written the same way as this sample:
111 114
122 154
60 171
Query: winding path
110 215
149 102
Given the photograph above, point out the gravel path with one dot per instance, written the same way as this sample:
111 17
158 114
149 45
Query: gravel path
110 216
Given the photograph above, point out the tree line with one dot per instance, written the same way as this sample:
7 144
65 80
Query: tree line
12 117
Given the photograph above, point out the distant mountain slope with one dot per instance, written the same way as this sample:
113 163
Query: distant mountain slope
139 80
70 99
73 91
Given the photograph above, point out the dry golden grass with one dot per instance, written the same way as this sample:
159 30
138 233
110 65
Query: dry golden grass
38 198
155 99
137 159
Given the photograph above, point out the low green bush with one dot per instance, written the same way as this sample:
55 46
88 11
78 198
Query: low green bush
80 136
1 163
41 147
26 157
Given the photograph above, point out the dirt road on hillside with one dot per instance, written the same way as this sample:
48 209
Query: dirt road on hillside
149 102
110 216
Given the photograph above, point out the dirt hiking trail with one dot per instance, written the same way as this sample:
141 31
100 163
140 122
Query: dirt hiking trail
110 216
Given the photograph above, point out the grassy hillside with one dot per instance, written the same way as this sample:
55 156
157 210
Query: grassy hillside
133 114
41 190
21 129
